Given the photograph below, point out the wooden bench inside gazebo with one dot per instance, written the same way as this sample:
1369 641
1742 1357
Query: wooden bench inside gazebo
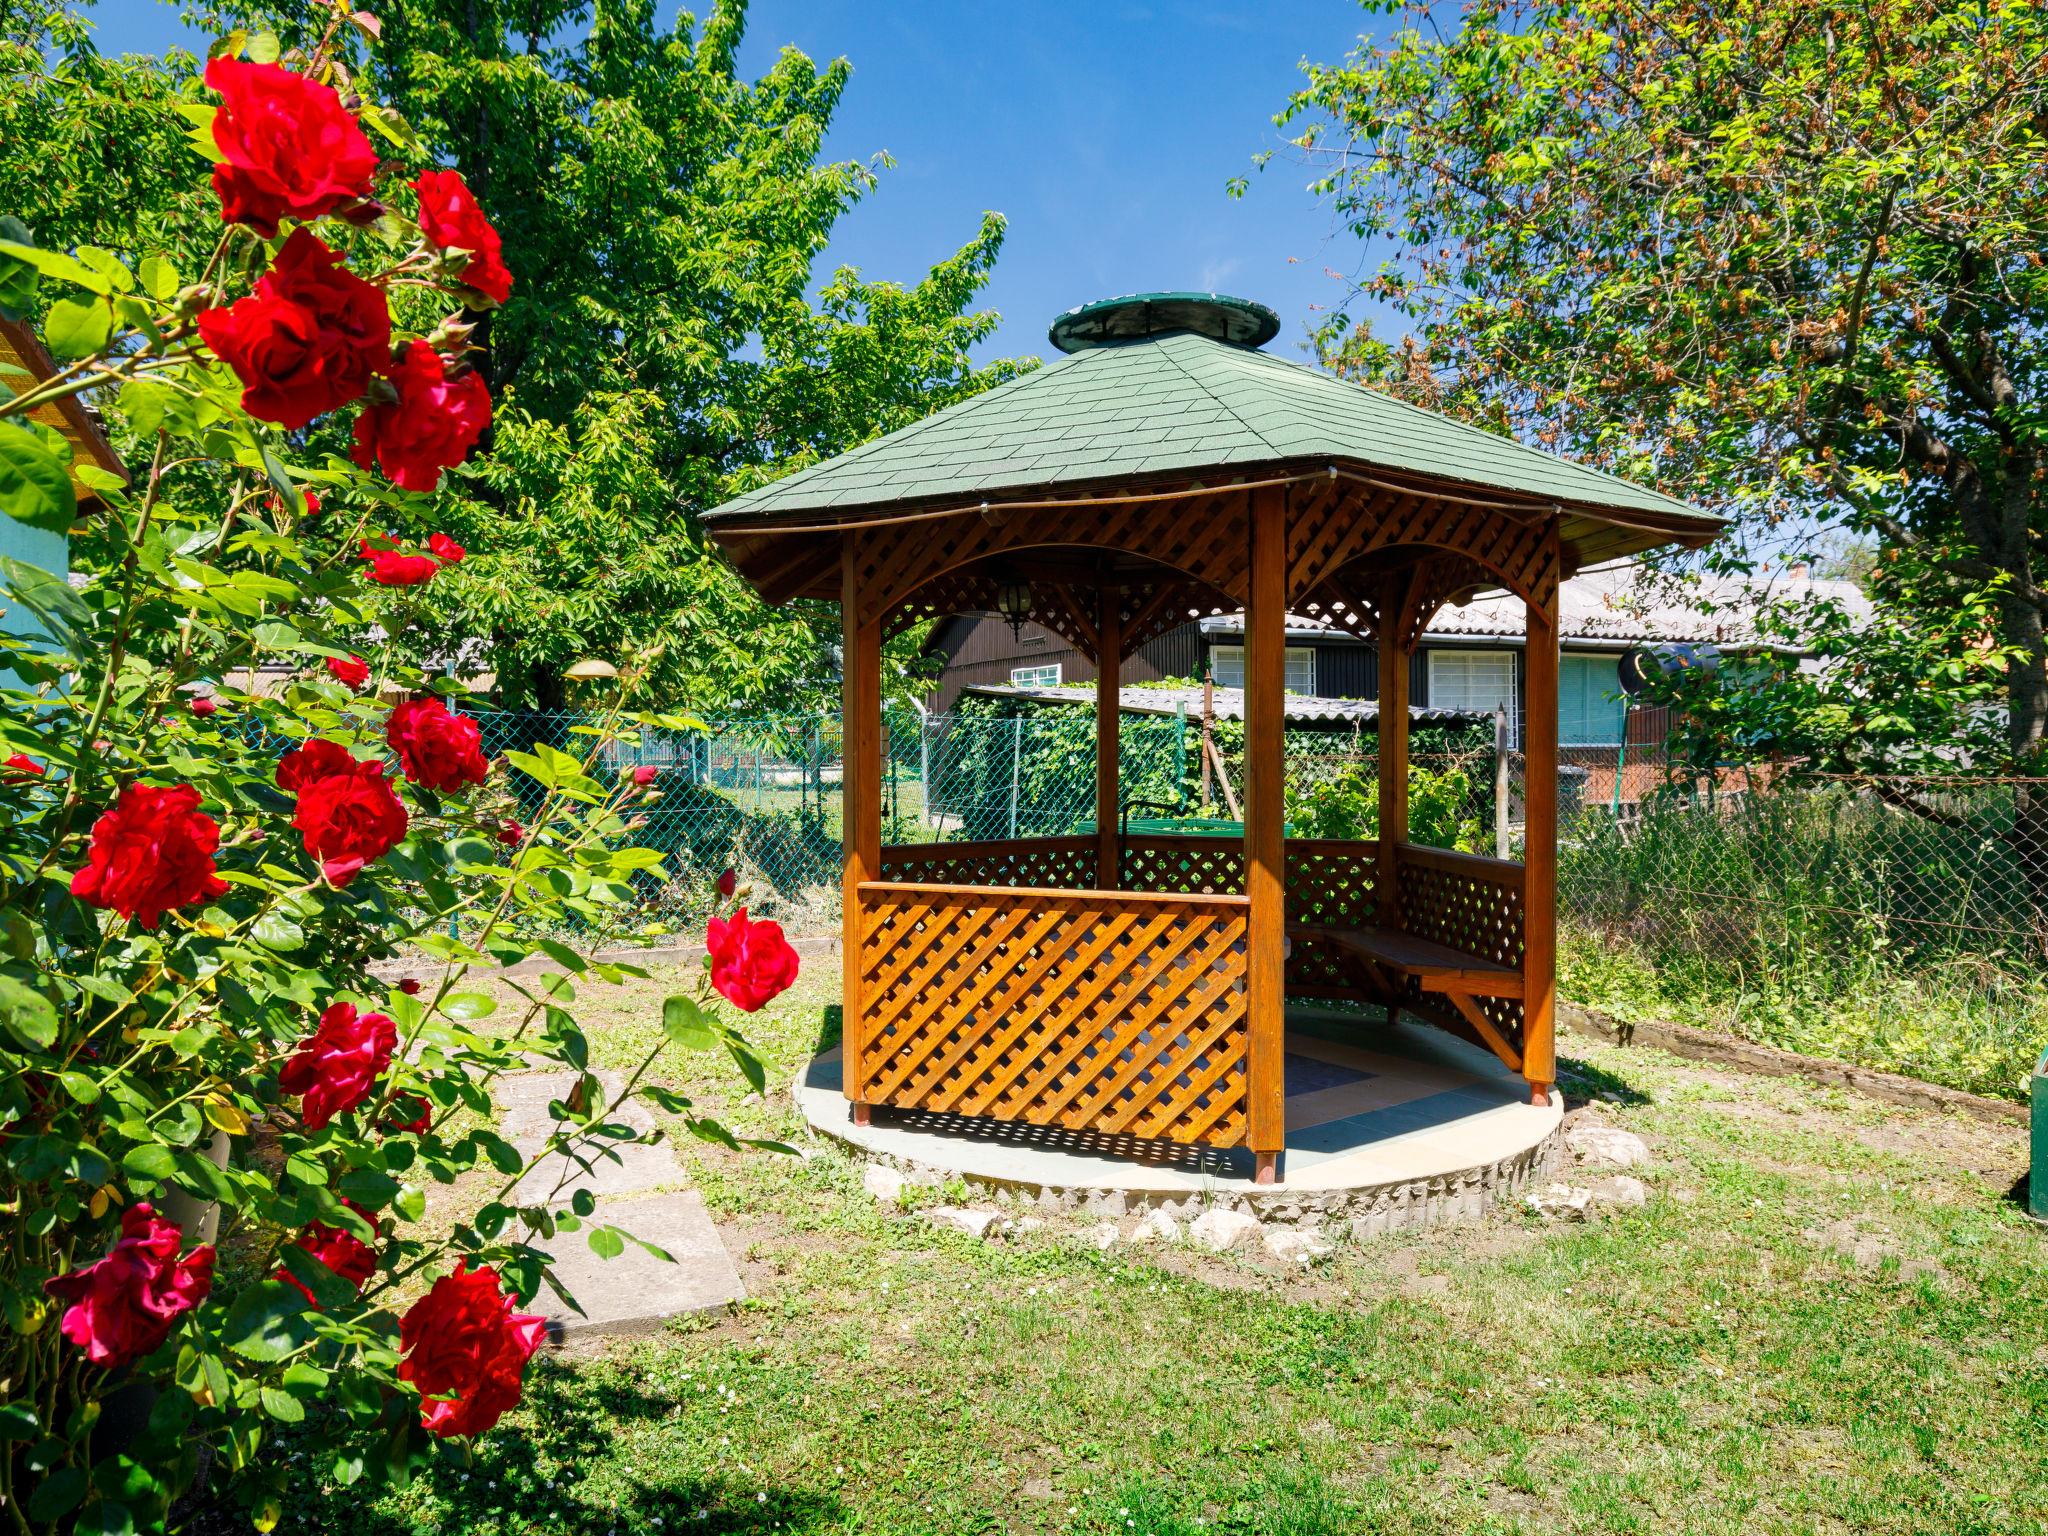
1166 469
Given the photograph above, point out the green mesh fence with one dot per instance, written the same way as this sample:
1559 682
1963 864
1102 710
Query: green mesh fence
763 796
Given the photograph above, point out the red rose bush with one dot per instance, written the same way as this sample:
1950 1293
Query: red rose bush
207 881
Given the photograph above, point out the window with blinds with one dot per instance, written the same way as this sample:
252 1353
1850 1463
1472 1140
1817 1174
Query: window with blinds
1228 662
1480 682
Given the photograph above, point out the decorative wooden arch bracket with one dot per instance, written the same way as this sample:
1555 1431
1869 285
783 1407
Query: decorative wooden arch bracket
1342 540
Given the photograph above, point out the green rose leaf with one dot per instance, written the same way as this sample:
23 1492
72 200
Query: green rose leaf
76 329
57 1494
606 1242
267 1322
683 1021
282 1406
35 481
27 1015
159 278
152 1163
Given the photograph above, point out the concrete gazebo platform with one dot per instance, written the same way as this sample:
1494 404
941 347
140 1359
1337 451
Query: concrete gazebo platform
1410 1130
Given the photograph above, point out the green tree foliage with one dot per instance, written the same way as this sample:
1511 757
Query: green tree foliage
1784 258
662 348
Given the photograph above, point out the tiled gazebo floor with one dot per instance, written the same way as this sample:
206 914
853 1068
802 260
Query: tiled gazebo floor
1401 1126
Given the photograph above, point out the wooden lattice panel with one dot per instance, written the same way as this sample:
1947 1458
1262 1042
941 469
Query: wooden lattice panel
1472 904
1042 862
1331 883
1183 865
1104 1012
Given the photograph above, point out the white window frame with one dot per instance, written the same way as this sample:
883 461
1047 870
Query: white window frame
1034 677
1440 685
1300 667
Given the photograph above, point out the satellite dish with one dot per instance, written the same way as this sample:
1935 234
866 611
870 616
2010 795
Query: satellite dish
1645 664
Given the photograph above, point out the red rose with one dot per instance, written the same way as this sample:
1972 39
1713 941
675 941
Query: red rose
451 219
151 852
203 704
751 962
21 763
394 568
337 1248
409 987
347 813
351 673
728 882
435 746
335 1067
288 148
124 1305
445 549
645 774
511 834
307 340
465 1350
433 425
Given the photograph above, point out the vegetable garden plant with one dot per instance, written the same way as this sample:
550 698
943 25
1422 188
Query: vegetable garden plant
216 1123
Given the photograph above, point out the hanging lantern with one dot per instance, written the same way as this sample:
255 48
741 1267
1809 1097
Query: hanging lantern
1013 602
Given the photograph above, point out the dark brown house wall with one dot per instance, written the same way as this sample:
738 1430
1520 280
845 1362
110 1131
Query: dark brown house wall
979 649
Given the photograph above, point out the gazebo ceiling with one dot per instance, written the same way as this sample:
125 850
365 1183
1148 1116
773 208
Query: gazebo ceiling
1143 410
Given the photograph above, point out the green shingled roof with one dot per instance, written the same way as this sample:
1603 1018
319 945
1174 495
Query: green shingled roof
1167 403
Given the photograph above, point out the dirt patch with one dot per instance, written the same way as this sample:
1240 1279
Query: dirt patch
1868 1247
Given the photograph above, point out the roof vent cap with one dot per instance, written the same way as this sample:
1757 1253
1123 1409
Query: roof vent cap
1240 322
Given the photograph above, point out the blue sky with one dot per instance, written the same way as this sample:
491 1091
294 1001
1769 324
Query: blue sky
1105 131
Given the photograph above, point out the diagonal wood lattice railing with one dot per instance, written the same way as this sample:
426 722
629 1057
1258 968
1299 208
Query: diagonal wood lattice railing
1110 1012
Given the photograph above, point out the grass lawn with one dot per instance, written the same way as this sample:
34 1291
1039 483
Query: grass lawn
1828 1318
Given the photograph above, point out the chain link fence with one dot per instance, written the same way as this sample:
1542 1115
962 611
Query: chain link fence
1902 923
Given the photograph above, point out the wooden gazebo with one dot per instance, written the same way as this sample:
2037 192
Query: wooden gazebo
1163 470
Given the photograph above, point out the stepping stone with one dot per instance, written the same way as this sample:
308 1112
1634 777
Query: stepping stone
636 1292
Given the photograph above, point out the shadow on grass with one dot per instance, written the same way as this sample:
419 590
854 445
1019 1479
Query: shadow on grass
1583 1079
831 1027
607 1440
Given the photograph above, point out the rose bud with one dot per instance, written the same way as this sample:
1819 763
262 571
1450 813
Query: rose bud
203 704
409 987
728 882
645 774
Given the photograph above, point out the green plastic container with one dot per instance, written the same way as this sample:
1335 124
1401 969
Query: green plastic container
2037 1177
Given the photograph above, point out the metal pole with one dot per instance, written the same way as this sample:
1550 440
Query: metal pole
1016 759
1620 762
924 764
1500 784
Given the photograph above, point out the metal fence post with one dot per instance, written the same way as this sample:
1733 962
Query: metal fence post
1016 762
1500 784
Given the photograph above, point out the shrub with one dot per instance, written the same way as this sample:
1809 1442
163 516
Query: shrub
216 1123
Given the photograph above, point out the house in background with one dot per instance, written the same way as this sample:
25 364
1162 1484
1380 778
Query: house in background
1468 663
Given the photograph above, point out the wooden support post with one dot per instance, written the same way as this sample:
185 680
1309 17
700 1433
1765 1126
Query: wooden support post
860 783
1539 845
1265 721
1108 735
1393 725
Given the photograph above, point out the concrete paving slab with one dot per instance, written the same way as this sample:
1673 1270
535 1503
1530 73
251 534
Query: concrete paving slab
636 1293
614 1169
523 1099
